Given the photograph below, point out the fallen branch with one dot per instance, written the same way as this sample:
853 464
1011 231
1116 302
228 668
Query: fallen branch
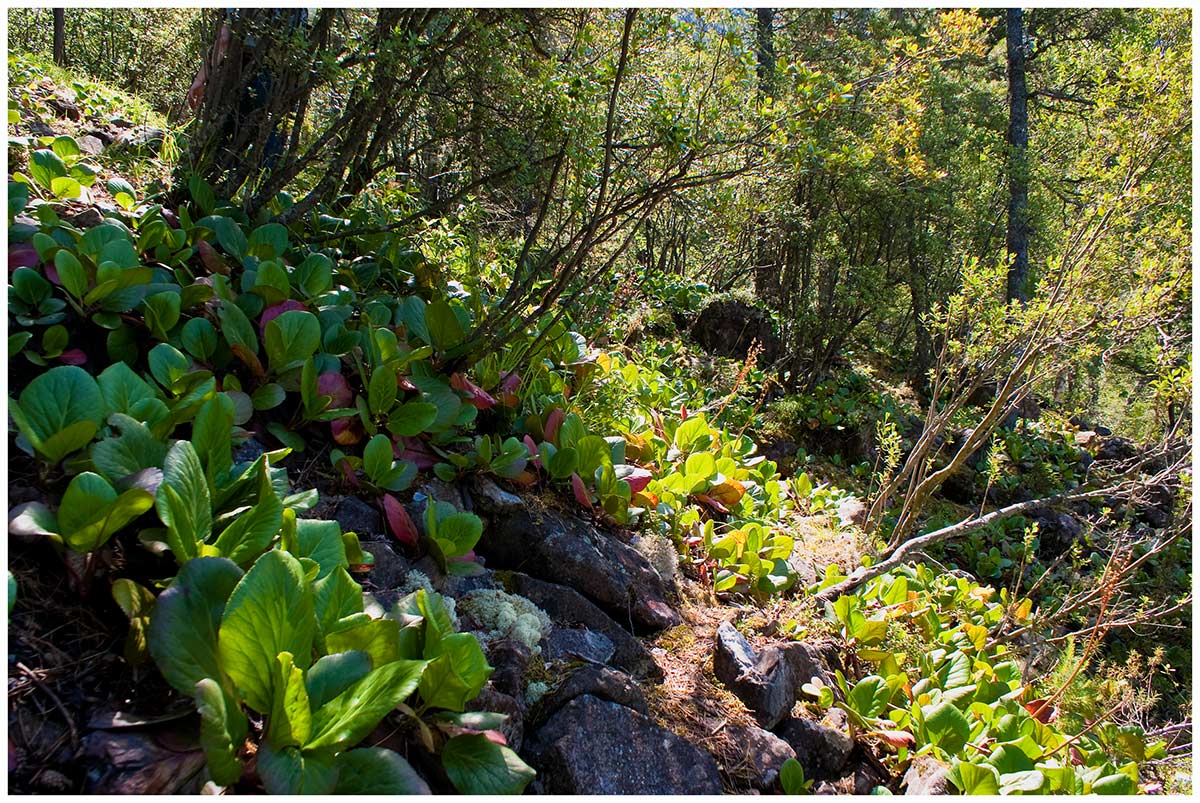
910 548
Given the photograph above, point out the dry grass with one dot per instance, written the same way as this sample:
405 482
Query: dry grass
691 702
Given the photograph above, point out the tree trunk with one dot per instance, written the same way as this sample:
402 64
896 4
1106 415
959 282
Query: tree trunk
765 273
1018 170
60 37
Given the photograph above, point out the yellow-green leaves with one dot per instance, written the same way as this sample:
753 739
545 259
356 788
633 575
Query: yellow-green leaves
92 512
346 719
478 766
183 502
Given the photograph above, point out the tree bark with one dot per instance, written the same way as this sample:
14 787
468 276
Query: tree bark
765 273
60 37
1018 171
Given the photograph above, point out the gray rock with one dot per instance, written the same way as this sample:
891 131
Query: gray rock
248 451
90 145
598 681
765 754
810 660
569 642
450 584
389 569
358 517
803 568
38 128
1116 449
765 683
569 551
120 122
928 776
1057 531
491 499
1086 438
567 607
491 699
140 138
821 750
85 218
728 329
592 746
509 660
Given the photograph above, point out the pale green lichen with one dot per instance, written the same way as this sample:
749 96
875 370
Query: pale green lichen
507 616
536 691
661 552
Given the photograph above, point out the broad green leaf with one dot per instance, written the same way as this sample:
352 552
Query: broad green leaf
91 511
333 674
290 339
183 502
223 729
336 597
45 166
59 411
444 327
199 337
975 779
791 777
162 313
251 532
456 674
381 392
314 275
71 273
946 727
236 327
229 234
292 772
1116 784
268 241
1024 782
211 437
376 771
377 457
168 365
412 418
378 638
462 530
134 449
122 389
270 611
137 603
185 622
478 766
346 719
290 719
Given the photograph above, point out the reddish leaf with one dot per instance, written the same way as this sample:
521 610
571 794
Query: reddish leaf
479 398
638 480
416 452
728 493
553 422
347 431
404 383
399 522
348 473
525 479
22 255
644 499
1040 710
510 382
335 385
274 311
683 412
896 738
713 503
210 259
73 357
581 493
52 274
250 359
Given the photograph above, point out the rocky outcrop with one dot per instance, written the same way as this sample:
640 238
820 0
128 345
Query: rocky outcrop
928 776
764 754
595 563
593 746
765 683
728 328
567 608
598 681
822 751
